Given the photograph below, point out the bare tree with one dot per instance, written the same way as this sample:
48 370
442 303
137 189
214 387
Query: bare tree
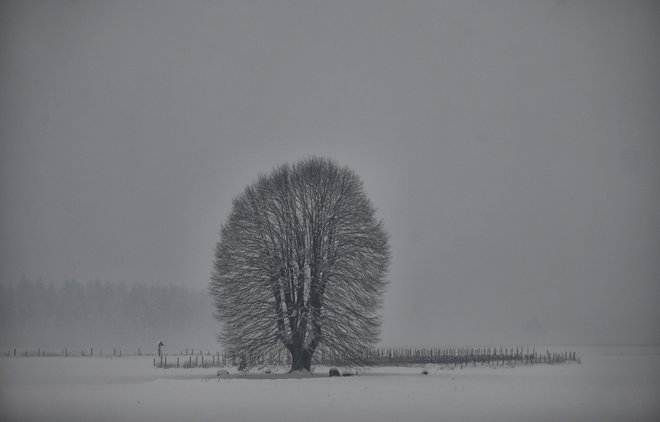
301 266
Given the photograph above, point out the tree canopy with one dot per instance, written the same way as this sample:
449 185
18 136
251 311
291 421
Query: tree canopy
301 265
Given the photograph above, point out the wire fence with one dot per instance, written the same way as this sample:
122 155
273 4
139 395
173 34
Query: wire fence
199 358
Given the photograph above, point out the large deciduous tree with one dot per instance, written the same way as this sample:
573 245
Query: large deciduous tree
301 266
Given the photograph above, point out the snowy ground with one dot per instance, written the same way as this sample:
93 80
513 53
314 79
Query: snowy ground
611 384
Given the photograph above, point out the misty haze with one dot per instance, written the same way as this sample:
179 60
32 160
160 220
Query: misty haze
456 203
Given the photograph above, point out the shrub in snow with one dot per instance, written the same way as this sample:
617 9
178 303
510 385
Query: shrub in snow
334 372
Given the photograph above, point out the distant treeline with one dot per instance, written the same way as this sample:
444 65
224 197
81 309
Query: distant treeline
102 312
135 304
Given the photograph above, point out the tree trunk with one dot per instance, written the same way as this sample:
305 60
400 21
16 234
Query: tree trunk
300 359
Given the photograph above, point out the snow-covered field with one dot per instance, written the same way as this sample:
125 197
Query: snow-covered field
611 384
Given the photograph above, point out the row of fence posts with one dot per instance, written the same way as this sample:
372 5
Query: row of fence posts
382 356
193 357
215 360
376 357
464 356
67 352
91 352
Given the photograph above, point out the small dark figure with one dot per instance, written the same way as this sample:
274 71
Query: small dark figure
242 365
160 348
334 372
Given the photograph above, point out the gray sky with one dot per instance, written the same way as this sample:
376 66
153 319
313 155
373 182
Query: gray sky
512 148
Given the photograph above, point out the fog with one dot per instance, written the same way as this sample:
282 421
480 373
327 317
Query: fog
112 318
512 150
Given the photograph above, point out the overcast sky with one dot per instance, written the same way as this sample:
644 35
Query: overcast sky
512 148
